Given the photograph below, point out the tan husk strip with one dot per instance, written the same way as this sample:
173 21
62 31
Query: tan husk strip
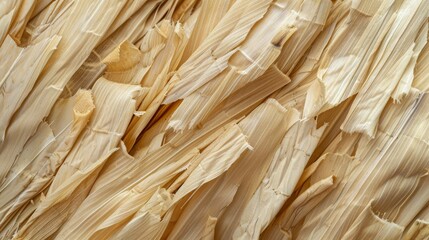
214 119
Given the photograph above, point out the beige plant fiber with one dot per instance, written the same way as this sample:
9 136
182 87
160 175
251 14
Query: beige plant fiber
214 119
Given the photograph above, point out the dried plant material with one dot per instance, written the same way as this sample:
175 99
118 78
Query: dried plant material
15 86
212 166
212 162
214 119
338 164
289 160
401 129
38 174
123 65
419 230
207 20
212 55
306 201
308 18
8 10
343 66
404 41
370 226
135 27
157 78
190 225
421 76
22 16
85 76
55 75
241 65
10 229
129 194
18 181
151 220
80 169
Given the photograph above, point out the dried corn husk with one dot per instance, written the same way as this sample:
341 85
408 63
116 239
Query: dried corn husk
214 119
80 169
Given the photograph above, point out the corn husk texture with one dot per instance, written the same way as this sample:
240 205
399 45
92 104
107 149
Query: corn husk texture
214 119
